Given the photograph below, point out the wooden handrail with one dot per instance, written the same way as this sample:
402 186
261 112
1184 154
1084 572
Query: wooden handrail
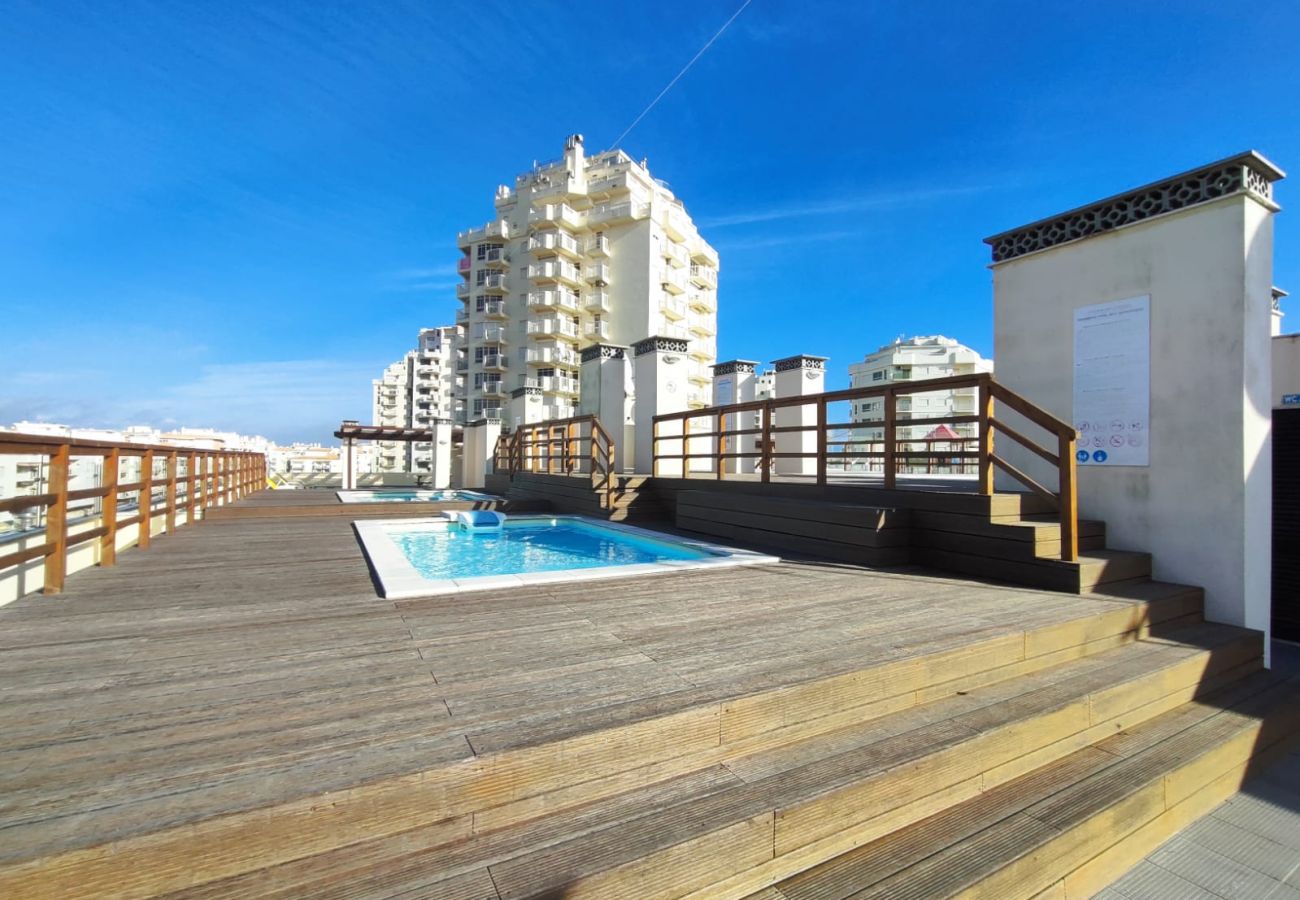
1058 450
559 445
205 485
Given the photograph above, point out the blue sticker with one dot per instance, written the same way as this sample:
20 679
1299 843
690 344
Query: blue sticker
1081 455
1099 456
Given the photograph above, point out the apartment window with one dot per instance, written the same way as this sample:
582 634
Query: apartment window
878 376
480 303
545 373
483 250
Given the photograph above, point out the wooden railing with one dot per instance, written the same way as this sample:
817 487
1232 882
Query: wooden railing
574 446
210 478
827 447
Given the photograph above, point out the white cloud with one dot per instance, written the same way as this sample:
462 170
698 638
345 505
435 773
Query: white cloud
860 203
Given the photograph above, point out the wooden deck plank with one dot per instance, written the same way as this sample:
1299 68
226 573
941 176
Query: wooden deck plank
240 664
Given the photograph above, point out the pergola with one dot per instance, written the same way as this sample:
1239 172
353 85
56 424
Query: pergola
350 431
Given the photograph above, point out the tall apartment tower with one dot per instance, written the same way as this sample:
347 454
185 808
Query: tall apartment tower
581 251
412 392
913 360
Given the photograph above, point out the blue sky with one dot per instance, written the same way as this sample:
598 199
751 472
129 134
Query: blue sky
234 215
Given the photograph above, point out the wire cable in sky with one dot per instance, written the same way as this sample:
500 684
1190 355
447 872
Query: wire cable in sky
678 76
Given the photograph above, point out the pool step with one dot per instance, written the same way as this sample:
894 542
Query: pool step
511 777
1071 827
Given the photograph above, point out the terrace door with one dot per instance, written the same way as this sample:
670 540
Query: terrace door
1286 524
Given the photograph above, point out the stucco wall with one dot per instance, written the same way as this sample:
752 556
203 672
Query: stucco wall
1202 506
1286 367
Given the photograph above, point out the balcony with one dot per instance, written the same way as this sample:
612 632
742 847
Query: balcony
555 271
674 282
561 300
462 316
676 224
703 328
499 230
699 398
462 291
598 246
553 243
463 266
556 384
462 365
703 301
672 307
553 328
494 389
494 282
495 309
553 356
704 276
677 332
704 255
596 331
496 258
555 215
616 212
676 255
494 362
596 302
491 334
607 186
598 274
703 350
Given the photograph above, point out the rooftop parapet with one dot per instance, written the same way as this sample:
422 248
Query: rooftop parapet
1246 173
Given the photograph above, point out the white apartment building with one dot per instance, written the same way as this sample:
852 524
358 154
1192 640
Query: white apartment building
412 392
913 360
581 251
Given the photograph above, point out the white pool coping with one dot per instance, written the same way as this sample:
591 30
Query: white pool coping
400 580
367 495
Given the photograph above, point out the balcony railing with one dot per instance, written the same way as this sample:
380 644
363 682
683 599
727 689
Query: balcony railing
495 309
555 270
499 229
553 327
555 214
494 281
673 281
672 307
596 302
598 274
704 301
463 266
494 361
596 331
563 300
549 243
704 276
617 212
598 245
552 356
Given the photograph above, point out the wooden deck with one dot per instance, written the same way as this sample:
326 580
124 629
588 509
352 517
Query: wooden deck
248 663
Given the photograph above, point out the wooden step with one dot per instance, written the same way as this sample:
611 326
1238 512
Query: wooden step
760 816
1091 571
1070 827
513 775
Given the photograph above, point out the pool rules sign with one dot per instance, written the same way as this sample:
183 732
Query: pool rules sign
1112 382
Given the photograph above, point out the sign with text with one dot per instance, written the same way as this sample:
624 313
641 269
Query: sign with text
1112 382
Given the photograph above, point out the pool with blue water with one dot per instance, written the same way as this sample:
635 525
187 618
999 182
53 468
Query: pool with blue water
423 557
522 546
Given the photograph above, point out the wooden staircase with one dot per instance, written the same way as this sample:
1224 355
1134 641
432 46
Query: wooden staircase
1036 763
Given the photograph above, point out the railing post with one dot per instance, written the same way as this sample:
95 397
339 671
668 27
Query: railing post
56 521
144 502
205 467
171 491
821 440
986 438
191 485
230 479
891 438
720 443
1069 498
654 448
108 509
765 450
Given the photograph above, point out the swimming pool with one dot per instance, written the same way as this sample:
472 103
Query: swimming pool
412 495
424 557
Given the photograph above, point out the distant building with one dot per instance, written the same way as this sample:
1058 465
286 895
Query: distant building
582 250
917 359
412 392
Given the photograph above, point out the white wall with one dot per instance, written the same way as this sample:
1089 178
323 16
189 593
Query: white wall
1286 367
1202 506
